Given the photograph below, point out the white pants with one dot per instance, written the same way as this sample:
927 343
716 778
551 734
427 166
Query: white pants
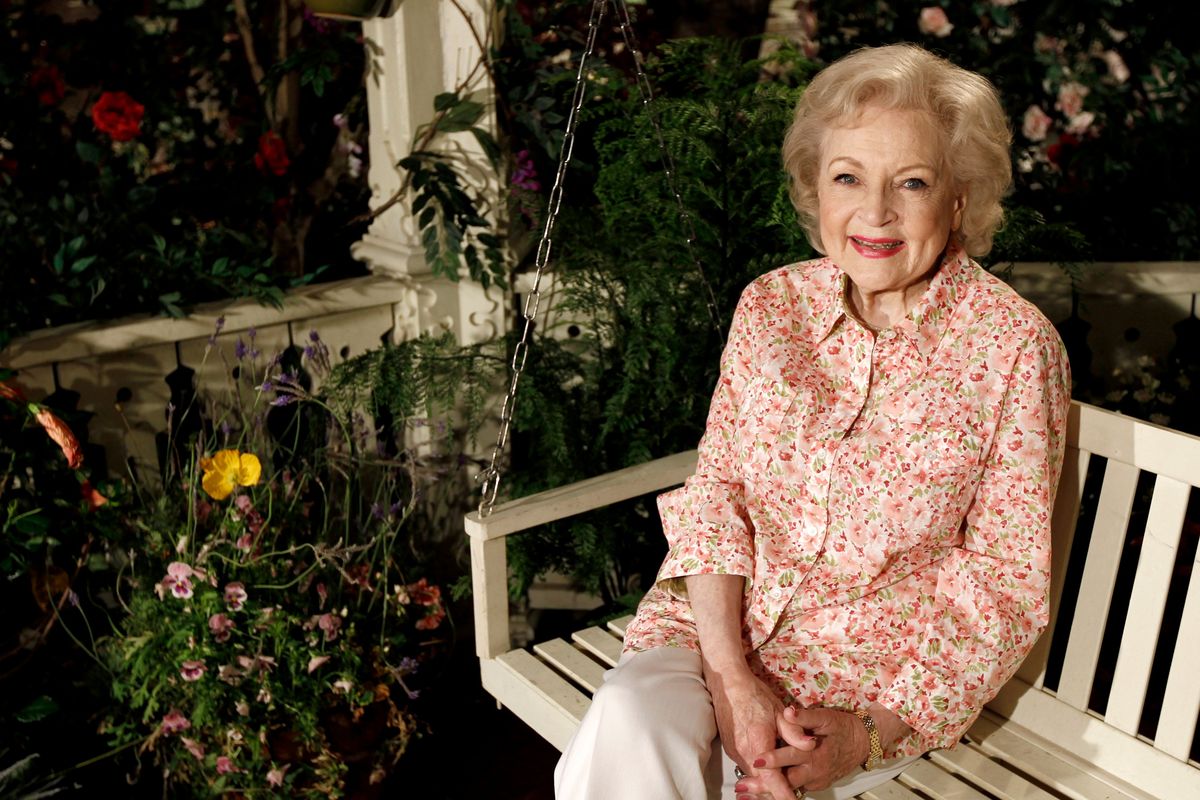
650 734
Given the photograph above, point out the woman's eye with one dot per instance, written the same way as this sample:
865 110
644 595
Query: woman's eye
914 183
846 179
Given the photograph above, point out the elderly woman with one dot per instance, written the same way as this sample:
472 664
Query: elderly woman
862 558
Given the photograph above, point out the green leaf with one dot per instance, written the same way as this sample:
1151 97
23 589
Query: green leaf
488 144
81 264
444 100
39 709
59 299
89 153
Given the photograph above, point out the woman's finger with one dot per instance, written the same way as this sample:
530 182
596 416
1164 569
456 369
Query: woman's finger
782 758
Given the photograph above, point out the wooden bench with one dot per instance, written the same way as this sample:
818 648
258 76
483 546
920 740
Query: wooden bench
1047 734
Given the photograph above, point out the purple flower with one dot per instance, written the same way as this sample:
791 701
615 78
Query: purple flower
212 339
252 332
524 175
313 336
377 511
239 349
283 400
192 670
267 386
322 26
174 722
308 351
226 428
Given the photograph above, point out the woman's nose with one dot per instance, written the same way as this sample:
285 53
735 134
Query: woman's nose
876 208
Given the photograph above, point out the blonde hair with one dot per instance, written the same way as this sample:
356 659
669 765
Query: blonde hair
965 106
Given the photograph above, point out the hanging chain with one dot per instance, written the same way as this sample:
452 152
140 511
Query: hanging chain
491 476
668 164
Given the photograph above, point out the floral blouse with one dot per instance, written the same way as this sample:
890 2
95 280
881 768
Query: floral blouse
887 496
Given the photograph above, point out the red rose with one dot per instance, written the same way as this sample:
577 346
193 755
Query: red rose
272 157
47 82
1060 150
118 115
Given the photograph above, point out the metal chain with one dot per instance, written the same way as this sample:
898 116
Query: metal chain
668 164
491 476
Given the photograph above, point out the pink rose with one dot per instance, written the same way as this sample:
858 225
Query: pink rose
1035 124
1081 123
1116 66
1070 98
174 722
934 22
225 765
192 670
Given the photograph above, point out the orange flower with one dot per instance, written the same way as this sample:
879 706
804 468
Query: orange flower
91 495
62 436
228 469
11 393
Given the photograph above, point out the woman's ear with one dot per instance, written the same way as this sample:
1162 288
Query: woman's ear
960 204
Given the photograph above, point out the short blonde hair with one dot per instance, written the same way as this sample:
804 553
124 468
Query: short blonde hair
966 108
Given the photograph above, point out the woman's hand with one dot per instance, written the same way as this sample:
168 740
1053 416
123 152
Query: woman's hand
747 712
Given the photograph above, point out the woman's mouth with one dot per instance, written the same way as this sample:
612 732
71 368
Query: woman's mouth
875 248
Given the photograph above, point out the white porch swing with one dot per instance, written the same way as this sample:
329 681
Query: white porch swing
1033 741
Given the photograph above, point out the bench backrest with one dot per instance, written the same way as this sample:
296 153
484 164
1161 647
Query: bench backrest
1115 680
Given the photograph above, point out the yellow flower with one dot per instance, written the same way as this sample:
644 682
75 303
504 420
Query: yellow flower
228 469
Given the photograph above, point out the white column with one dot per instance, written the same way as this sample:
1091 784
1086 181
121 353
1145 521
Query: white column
427 49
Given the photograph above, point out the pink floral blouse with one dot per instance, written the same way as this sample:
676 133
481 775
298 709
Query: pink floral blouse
887 496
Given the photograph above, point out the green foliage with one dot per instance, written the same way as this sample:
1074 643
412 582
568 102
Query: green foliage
636 381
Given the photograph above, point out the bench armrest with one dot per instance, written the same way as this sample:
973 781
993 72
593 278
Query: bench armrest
489 561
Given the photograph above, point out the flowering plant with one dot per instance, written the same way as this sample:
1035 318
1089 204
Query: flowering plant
278 619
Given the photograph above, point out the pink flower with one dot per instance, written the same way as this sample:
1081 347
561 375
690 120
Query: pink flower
1070 98
180 588
1081 123
1035 124
179 570
221 627
174 722
330 624
192 670
934 22
245 542
1116 66
235 595
193 747
315 663
225 765
275 776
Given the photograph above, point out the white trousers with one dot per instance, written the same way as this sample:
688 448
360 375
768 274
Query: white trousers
650 734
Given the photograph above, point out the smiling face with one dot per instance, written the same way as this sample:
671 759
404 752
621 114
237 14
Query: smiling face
886 201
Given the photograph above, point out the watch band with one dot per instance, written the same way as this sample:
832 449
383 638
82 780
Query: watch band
876 754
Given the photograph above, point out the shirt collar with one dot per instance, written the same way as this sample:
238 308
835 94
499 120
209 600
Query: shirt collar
928 319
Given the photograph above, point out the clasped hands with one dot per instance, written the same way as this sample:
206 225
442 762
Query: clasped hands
819 745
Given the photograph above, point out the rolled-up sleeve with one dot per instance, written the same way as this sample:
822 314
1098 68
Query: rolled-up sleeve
704 520
985 604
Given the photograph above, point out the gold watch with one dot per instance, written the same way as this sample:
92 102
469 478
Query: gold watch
876 754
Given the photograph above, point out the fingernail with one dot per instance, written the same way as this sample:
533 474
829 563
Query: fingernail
744 797
760 762
739 787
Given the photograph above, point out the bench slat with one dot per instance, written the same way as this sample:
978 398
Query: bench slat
619 624
988 774
1082 739
1066 514
1145 445
577 666
924 776
599 641
892 790
536 694
1096 587
989 737
1146 603
1181 701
